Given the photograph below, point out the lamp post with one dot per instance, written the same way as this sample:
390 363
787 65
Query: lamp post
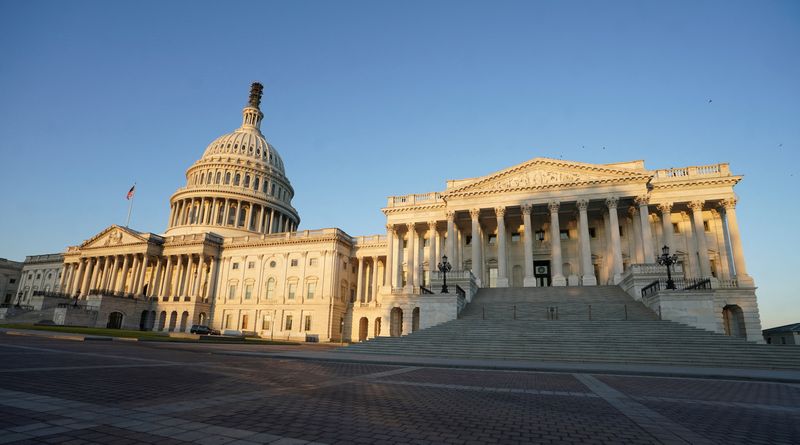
540 235
666 260
444 267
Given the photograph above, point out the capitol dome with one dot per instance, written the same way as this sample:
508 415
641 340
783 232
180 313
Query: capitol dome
239 185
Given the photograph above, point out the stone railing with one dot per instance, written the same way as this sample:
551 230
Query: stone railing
717 170
414 199
369 239
302 234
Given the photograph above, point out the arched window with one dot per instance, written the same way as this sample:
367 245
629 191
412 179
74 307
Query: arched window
246 181
236 179
208 178
227 178
219 174
255 184
271 289
202 177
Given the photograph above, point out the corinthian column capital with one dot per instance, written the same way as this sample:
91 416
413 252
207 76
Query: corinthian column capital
582 204
665 207
500 211
728 204
431 225
450 214
553 206
697 206
411 227
642 200
526 208
612 202
391 229
474 213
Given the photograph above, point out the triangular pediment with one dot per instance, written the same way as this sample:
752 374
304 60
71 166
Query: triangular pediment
544 173
113 236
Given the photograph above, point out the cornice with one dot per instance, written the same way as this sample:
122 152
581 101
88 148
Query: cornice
697 183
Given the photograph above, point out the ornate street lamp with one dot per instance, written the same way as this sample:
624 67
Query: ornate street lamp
666 260
540 235
444 267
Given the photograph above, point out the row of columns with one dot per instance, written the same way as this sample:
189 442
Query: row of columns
219 211
128 274
641 229
367 284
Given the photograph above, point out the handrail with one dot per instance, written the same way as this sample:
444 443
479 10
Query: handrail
425 291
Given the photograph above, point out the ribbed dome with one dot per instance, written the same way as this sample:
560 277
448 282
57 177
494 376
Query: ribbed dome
246 141
238 186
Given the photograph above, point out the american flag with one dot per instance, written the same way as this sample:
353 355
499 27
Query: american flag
130 192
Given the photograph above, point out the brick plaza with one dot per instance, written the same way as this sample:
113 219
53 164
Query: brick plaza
70 392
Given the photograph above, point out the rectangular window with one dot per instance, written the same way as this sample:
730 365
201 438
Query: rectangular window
265 323
292 290
232 292
251 265
592 232
492 240
312 287
308 323
313 261
248 291
352 295
676 228
294 263
235 266
515 237
227 321
245 319
288 325
564 234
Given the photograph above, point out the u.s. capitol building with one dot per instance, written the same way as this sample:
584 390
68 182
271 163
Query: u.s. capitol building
232 256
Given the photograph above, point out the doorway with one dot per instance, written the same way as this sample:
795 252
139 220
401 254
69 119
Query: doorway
541 271
396 322
114 320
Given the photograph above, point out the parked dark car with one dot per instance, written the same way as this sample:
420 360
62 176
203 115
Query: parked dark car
203 330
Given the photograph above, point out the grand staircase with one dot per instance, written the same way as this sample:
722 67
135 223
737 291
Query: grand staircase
555 325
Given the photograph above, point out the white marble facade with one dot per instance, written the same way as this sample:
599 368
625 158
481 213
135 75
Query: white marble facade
231 255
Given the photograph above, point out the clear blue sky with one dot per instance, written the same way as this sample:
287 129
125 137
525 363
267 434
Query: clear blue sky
369 99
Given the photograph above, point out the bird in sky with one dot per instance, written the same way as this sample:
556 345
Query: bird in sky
709 100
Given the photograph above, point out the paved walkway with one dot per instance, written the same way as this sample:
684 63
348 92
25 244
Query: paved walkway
55 391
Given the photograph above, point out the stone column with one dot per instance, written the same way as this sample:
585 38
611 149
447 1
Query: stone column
76 285
502 267
165 282
87 274
412 250
527 245
647 235
374 296
635 237
124 276
389 273
360 281
450 241
616 249
700 237
201 295
666 225
587 268
732 223
477 261
260 219
556 262
432 261
197 282
142 273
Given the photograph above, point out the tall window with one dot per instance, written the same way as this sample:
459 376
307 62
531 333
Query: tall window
307 323
288 325
265 323
270 288
245 319
227 178
312 287
248 291
232 292
227 321
247 180
292 290
216 180
236 179
255 184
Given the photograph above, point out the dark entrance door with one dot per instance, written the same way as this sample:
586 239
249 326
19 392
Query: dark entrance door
114 320
541 271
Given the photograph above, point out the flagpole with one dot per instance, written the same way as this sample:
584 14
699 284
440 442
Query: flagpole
130 207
